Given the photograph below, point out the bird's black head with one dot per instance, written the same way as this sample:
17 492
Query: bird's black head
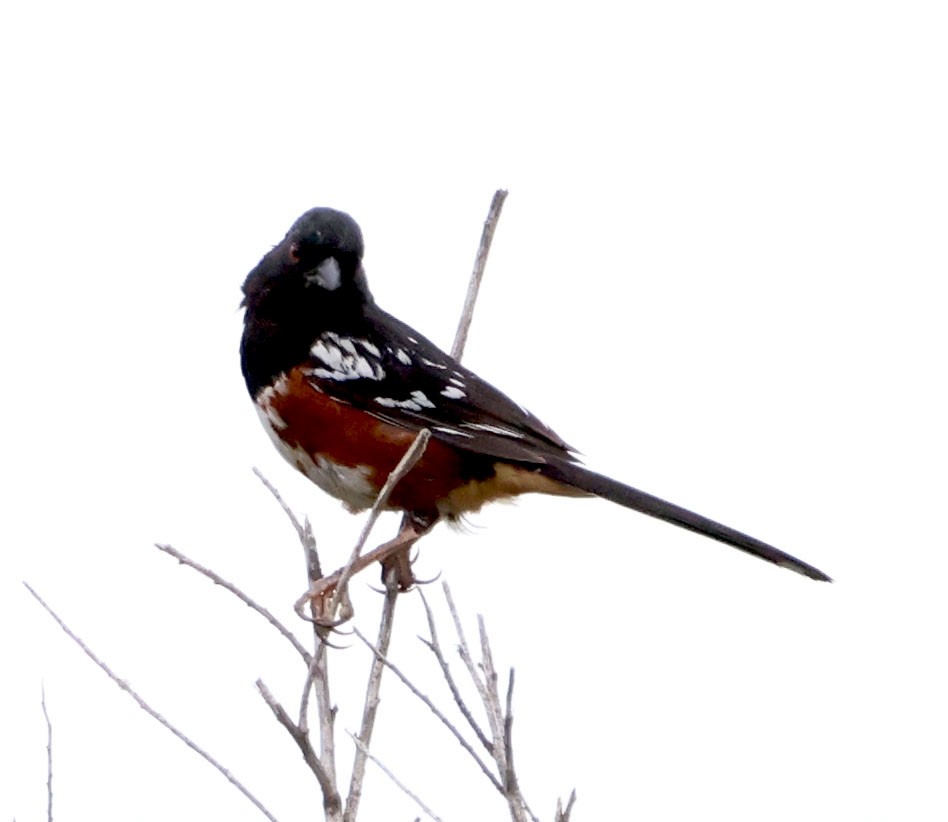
321 254
310 282
325 230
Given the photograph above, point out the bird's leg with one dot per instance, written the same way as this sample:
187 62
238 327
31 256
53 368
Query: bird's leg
413 528
392 554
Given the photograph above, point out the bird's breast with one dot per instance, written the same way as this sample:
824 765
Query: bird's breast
349 453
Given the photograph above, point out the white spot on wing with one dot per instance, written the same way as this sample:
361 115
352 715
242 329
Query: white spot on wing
388 402
402 356
421 399
492 429
370 347
364 368
456 381
342 361
453 393
331 356
416 402
433 364
454 431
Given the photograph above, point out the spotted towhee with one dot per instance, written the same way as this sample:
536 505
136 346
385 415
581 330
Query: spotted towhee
343 388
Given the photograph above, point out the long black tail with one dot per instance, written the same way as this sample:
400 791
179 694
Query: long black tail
585 480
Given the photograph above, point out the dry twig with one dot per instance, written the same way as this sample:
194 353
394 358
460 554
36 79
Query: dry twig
331 800
563 814
148 709
365 751
323 765
480 262
379 655
217 579
499 715
49 757
370 707
434 645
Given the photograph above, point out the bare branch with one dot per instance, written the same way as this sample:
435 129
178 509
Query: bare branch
464 651
480 262
390 775
492 700
325 709
434 709
499 720
308 686
331 800
217 579
434 646
317 678
563 814
510 776
304 531
49 756
370 708
313 569
299 528
148 709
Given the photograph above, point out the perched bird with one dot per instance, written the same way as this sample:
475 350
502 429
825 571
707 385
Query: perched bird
343 388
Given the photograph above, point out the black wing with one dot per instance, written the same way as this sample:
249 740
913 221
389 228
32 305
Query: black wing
387 368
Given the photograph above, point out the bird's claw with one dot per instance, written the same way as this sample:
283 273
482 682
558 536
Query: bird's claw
329 605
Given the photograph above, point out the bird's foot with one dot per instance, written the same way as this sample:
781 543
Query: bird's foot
328 597
329 604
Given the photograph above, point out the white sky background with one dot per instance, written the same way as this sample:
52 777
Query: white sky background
720 274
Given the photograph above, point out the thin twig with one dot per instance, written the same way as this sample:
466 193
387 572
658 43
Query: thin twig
317 675
480 261
502 726
331 800
373 688
327 713
563 814
510 777
500 722
308 684
314 570
217 579
464 650
434 645
49 756
304 531
492 701
300 529
434 709
148 709
390 775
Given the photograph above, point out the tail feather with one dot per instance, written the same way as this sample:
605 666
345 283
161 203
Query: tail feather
583 479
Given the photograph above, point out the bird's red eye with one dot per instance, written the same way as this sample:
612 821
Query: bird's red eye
294 253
